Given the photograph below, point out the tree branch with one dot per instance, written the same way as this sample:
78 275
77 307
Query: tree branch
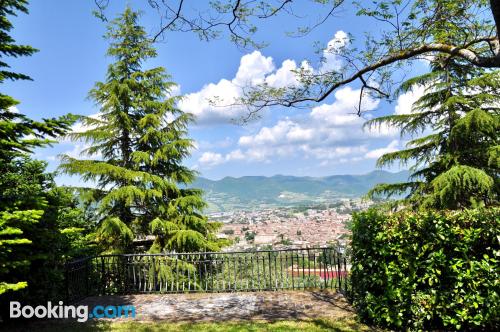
276 10
470 56
495 9
171 23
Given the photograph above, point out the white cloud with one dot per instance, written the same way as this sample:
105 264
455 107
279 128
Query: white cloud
215 102
199 104
330 132
331 60
78 127
405 101
377 153
343 111
174 91
253 69
76 151
211 159
273 135
285 75
235 155
404 105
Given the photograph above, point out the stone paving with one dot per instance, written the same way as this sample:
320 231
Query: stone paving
269 306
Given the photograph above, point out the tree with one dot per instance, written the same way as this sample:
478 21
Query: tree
51 225
456 163
138 142
413 29
250 236
19 135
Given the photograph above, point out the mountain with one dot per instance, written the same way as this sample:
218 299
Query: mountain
250 191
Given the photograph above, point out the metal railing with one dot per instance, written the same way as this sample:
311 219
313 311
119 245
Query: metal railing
324 268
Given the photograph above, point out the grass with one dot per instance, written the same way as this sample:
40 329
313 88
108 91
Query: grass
316 325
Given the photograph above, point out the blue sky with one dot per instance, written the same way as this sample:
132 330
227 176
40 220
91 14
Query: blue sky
324 140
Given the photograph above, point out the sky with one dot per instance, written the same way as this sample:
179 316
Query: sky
322 140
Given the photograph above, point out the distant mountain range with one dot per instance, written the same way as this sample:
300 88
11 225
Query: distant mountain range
249 191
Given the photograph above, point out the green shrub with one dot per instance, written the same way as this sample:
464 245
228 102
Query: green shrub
427 270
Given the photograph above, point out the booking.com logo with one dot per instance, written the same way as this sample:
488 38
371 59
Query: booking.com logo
61 311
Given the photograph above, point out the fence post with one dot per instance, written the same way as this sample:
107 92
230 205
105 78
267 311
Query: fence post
339 275
269 270
325 270
346 286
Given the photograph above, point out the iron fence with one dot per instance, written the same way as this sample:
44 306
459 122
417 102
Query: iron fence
285 269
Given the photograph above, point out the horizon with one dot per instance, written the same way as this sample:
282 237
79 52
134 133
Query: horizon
305 176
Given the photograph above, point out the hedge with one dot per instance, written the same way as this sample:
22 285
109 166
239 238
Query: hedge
427 271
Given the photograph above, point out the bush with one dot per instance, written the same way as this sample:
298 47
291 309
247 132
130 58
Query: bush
427 270
250 236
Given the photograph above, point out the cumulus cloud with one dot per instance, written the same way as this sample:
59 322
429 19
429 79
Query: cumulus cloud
377 153
211 159
214 103
331 61
174 91
404 105
235 155
405 101
252 70
329 133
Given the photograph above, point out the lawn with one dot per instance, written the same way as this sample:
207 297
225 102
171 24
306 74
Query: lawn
317 325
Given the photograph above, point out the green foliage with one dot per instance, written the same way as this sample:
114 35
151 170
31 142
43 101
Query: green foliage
137 145
29 209
11 239
427 270
18 133
406 32
456 165
41 226
167 269
114 234
250 236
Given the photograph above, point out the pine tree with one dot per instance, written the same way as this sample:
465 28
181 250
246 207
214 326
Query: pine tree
138 142
456 163
19 135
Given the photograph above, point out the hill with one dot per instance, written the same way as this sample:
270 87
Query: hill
248 192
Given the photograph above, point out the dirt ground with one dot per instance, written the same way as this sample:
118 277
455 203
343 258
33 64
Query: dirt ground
270 306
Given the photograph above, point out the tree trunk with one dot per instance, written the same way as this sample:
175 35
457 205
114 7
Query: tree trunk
495 9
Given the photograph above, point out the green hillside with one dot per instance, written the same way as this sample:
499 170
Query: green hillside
251 191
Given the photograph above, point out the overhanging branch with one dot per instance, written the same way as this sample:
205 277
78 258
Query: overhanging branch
466 54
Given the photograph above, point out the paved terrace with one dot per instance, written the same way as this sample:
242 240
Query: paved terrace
268 306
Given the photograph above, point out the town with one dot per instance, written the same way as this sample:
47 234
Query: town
289 227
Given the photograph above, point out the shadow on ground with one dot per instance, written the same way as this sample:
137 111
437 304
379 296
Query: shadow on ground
315 310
